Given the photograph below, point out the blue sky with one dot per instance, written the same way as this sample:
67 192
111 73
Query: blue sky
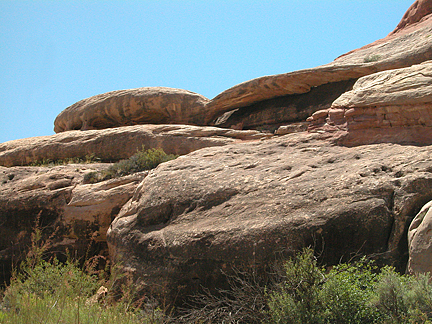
55 53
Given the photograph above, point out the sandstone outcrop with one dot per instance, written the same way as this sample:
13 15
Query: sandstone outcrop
419 12
410 45
389 106
246 205
420 241
119 143
74 214
151 105
241 199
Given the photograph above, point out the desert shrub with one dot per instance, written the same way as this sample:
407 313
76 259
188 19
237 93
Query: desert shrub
405 299
140 161
89 158
44 291
245 301
372 58
297 297
347 293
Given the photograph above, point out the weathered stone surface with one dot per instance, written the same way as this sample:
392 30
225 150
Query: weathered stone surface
245 205
270 114
292 128
420 241
119 143
420 11
389 106
151 105
78 214
410 45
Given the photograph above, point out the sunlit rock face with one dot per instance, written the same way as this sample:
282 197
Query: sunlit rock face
151 105
390 106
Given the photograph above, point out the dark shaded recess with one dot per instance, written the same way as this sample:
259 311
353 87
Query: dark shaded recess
15 235
17 226
270 114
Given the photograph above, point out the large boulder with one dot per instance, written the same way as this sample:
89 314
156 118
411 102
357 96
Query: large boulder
151 105
72 214
420 241
274 98
245 205
118 143
389 106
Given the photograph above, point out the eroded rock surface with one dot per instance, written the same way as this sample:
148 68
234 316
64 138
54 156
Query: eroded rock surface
389 106
246 205
73 214
151 105
420 241
119 143
410 45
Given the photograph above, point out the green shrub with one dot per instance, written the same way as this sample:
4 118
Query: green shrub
347 292
372 58
89 158
297 299
53 292
140 161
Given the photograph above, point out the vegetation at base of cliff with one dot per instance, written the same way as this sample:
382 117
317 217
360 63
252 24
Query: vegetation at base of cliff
89 158
300 291
52 292
140 161
304 292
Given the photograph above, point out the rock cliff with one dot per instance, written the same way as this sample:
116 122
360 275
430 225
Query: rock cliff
336 157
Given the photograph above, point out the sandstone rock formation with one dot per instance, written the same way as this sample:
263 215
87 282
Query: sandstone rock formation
389 106
245 205
410 45
420 241
74 214
419 12
242 199
119 143
152 105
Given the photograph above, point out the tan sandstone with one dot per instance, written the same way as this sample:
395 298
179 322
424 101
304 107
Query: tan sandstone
389 106
402 49
114 144
73 214
151 105
420 241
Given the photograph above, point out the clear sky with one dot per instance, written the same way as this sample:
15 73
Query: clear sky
55 53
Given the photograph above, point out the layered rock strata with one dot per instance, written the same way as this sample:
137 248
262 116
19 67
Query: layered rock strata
151 105
119 143
389 106
410 45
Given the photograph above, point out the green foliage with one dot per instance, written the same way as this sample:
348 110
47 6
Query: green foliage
140 161
349 293
372 58
54 292
89 158
406 299
296 300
